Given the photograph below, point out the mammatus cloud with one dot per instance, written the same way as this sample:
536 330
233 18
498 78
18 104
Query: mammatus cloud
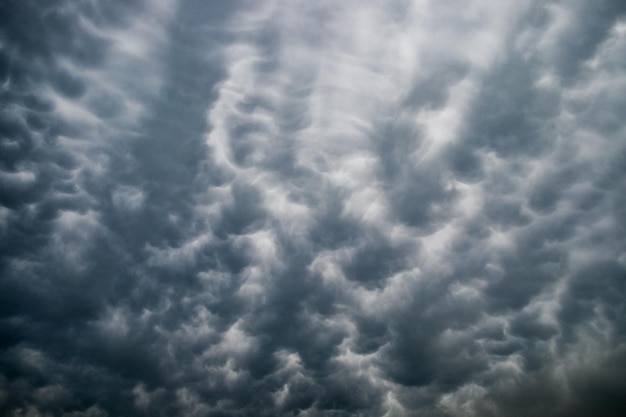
289 208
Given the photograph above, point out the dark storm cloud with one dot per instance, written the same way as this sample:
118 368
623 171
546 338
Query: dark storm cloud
276 208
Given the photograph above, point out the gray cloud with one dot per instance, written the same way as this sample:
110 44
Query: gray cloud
283 208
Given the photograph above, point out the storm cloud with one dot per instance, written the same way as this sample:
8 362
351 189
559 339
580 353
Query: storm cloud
291 208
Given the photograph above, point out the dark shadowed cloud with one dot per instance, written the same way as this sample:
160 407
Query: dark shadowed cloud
289 208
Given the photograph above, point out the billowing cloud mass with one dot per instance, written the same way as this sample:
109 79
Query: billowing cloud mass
313 208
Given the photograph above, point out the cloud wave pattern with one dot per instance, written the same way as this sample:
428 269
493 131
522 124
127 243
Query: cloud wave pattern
290 208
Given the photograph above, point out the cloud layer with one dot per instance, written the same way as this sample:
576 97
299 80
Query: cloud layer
290 208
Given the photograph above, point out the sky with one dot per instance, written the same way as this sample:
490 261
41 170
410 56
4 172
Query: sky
312 208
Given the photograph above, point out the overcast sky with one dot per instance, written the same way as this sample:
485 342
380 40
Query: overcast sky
313 208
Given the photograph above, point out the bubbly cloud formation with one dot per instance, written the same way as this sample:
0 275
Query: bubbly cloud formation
290 208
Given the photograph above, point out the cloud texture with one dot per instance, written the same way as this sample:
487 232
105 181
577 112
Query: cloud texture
294 208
